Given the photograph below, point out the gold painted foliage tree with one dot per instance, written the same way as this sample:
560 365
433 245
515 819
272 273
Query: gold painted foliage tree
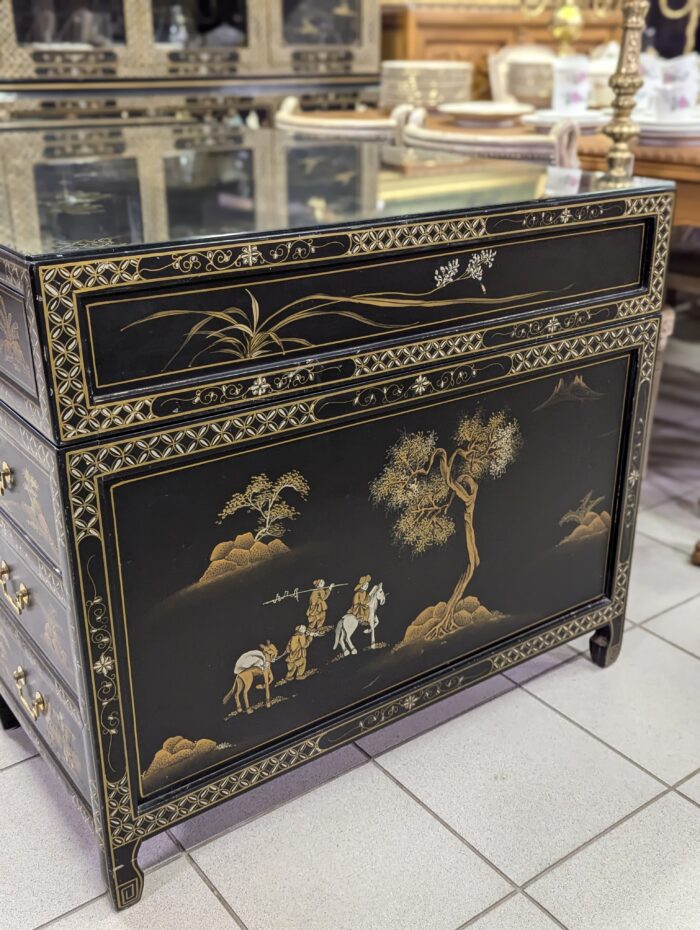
428 489
266 500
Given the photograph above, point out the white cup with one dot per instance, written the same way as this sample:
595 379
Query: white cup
572 86
681 69
675 101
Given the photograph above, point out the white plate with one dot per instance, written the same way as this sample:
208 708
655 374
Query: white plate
670 129
485 111
545 119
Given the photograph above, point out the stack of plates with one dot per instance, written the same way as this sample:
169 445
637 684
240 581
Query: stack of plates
587 121
655 131
486 112
425 83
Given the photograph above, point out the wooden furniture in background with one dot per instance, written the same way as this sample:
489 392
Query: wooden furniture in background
464 33
673 163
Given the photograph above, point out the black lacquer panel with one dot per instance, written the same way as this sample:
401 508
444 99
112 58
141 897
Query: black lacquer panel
16 364
200 591
148 339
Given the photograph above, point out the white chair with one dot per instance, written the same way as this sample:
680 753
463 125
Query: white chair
557 147
340 124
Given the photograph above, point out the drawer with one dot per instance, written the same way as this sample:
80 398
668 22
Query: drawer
30 491
26 597
243 340
16 363
41 703
160 338
22 380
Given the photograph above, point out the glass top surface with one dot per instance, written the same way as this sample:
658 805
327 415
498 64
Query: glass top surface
68 191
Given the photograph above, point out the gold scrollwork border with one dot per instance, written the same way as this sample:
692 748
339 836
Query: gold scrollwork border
62 284
87 468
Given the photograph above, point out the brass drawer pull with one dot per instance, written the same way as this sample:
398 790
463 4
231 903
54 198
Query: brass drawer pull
18 601
7 478
38 705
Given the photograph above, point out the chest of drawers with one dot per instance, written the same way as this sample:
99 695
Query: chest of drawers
263 493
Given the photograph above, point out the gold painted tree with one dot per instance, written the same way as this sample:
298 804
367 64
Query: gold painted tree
428 488
266 500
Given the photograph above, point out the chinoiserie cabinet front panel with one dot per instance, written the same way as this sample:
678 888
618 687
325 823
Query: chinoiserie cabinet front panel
159 338
277 570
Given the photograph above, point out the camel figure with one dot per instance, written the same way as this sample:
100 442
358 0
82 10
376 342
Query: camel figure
251 665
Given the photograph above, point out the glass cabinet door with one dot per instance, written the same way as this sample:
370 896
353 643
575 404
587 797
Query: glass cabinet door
319 22
201 23
69 22
210 193
95 202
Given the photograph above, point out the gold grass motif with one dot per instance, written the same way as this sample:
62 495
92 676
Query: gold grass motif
240 334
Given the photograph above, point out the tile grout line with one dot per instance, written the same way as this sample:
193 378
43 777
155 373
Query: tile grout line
598 836
667 610
184 854
686 778
674 497
217 894
669 642
487 910
269 810
514 894
686 797
595 736
13 765
661 542
74 910
566 661
516 887
440 723
667 790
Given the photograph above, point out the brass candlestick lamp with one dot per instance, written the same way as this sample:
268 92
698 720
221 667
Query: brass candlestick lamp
625 83
567 24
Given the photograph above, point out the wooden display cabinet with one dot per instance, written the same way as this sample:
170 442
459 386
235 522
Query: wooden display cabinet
468 32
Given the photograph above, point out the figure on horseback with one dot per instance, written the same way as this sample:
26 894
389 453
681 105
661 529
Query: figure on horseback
365 602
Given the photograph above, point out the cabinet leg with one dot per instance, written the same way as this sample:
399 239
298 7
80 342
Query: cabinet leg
124 876
8 721
606 642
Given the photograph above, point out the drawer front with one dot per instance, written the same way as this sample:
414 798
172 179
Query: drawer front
159 337
16 362
41 703
22 382
286 579
30 491
26 597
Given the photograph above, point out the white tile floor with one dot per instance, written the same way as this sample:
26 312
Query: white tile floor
556 796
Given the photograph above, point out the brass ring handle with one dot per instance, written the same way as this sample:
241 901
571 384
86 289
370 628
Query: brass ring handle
38 705
7 478
20 600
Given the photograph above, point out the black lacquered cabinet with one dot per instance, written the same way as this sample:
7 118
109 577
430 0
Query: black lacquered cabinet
265 492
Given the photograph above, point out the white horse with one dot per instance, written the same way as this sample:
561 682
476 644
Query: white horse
346 626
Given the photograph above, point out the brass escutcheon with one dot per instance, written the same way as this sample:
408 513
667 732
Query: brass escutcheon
7 478
38 705
20 600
